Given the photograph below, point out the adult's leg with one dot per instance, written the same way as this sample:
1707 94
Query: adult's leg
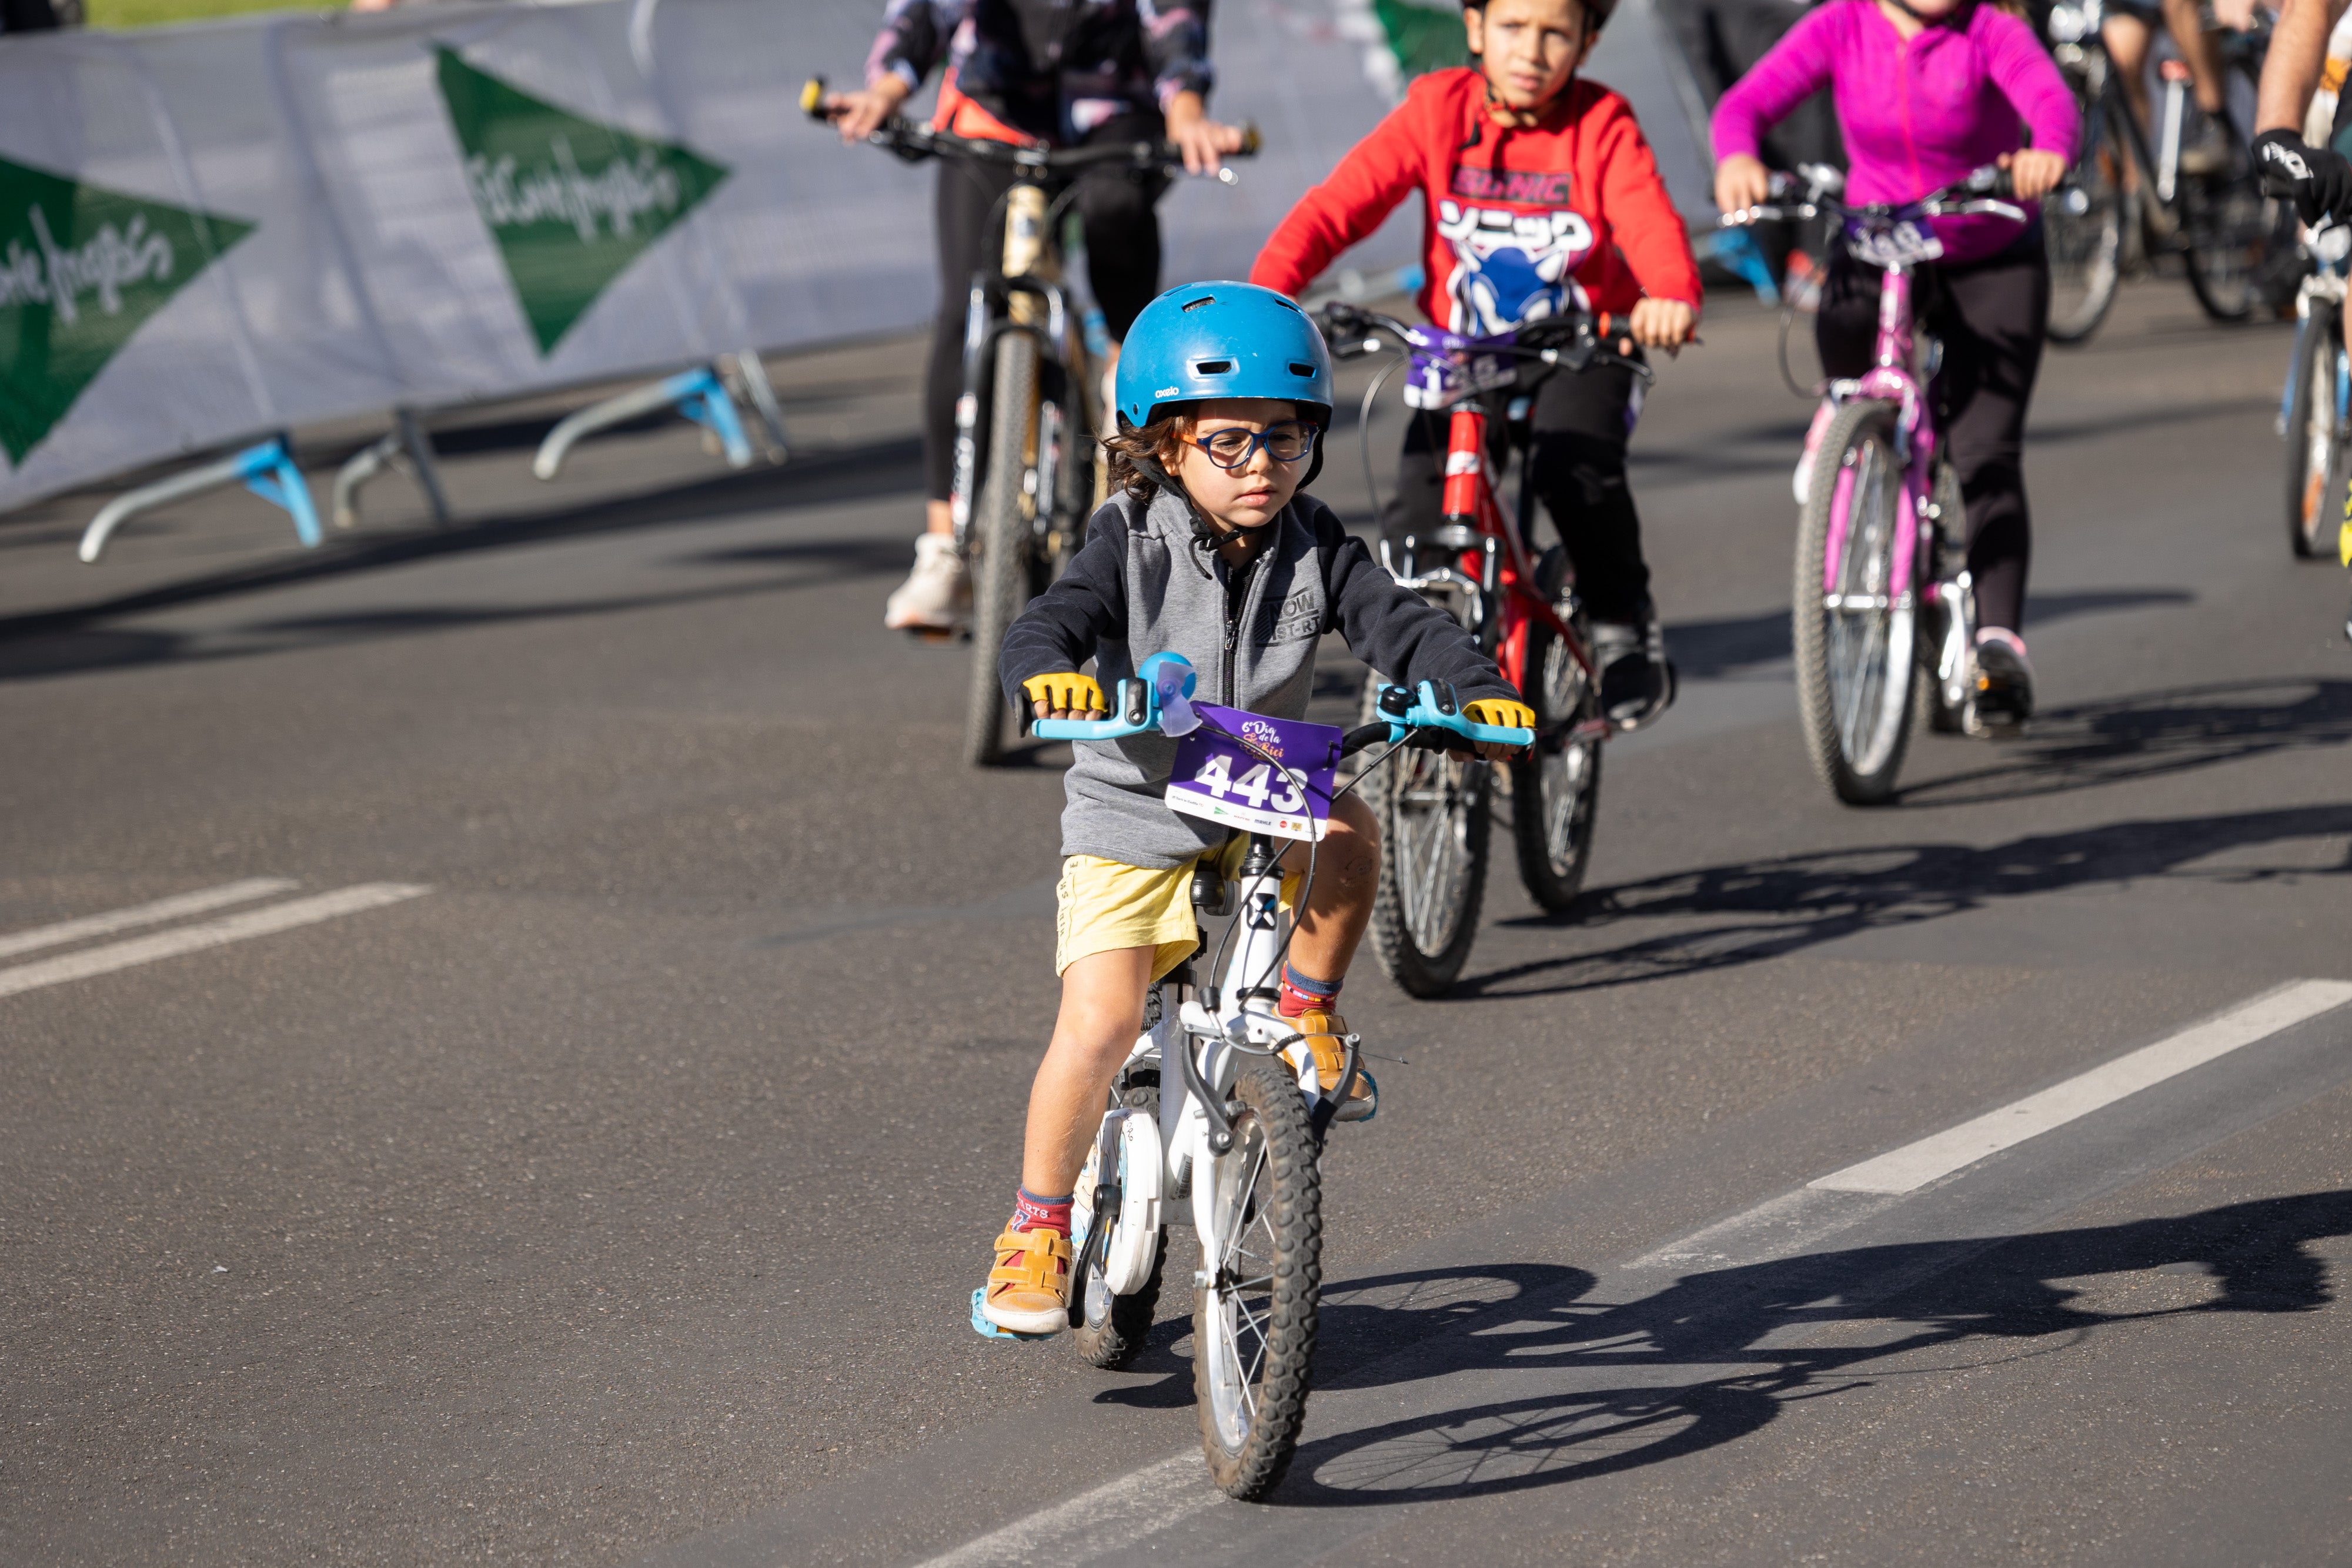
2202 51
2126 36
962 206
1992 320
1122 222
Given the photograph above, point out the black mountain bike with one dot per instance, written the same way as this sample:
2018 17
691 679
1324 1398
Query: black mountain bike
2237 245
1027 468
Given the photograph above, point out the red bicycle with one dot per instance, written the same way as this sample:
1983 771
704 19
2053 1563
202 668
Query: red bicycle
1520 603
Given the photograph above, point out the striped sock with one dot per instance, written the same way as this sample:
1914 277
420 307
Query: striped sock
1031 1212
1300 992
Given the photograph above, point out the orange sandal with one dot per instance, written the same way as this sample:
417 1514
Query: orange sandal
1028 1290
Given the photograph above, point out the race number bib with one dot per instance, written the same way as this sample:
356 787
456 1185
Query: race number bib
1279 783
1905 244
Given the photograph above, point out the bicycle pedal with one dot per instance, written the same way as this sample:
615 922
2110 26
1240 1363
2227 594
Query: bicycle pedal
989 1330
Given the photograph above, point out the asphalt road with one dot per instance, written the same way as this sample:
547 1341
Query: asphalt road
574 1132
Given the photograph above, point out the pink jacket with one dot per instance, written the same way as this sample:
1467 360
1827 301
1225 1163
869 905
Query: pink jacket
1916 115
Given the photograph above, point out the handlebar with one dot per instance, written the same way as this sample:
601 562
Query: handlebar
1574 341
1824 188
915 142
1156 700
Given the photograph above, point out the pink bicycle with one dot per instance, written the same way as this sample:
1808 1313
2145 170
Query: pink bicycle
1883 612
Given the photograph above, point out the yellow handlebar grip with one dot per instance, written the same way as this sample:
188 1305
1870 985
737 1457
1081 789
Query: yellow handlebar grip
1251 139
813 98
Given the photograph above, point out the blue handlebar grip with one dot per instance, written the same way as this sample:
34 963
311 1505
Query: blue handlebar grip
1424 714
1173 670
1090 728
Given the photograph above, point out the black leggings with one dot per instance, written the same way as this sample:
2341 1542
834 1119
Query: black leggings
1989 315
1579 425
1122 263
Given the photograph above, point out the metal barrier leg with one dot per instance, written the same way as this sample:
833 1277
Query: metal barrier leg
409 446
698 394
267 470
745 371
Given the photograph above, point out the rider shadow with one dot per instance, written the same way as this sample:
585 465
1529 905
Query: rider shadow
2122 740
1750 646
1715 1355
1751 910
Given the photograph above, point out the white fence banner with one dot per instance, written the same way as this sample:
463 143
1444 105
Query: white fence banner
212 232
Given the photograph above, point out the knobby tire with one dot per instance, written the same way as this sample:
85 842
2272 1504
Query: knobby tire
1274 1151
1433 861
1002 530
1556 789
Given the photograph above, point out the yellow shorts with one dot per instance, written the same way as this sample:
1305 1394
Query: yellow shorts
1103 904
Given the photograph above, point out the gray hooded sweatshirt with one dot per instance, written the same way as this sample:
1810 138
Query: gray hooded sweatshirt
1148 582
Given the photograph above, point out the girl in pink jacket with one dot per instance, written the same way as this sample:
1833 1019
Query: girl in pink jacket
1926 91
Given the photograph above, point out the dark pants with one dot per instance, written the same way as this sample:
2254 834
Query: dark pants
1989 315
1122 263
1579 427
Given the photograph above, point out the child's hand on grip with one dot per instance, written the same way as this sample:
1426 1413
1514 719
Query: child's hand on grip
1662 323
1741 182
1065 694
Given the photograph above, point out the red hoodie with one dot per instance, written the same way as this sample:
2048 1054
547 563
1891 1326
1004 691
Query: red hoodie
1514 223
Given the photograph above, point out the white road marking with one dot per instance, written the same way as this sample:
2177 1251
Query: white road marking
210 934
1116 1513
1914 1165
153 913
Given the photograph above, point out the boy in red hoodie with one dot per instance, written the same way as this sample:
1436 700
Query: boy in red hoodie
1539 195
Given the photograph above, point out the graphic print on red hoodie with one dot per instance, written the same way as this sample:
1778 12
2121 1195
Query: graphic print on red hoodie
1518 224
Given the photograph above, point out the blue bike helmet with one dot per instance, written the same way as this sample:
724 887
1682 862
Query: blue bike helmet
1222 340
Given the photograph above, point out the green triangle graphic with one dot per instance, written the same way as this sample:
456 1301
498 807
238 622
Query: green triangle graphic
1421 37
571 202
82 268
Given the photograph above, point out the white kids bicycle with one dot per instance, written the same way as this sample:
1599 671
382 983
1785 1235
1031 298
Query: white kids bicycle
1230 1145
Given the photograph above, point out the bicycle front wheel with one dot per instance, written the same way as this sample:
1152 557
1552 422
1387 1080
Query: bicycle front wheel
2315 478
1556 788
1434 828
1253 1318
1003 525
1853 625
2083 225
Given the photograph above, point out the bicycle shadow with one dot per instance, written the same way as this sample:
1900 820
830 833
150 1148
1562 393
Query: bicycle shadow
2153 734
1715 1355
1751 911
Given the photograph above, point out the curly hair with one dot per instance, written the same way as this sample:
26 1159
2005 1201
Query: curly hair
1155 443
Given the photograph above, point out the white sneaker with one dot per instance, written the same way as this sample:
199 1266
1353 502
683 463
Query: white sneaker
937 595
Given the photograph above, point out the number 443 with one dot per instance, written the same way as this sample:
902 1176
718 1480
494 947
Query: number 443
1252 787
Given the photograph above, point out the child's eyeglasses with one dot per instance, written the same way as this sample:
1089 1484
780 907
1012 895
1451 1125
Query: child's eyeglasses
1235 448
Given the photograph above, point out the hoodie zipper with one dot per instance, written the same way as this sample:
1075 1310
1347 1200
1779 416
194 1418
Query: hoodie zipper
1234 623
